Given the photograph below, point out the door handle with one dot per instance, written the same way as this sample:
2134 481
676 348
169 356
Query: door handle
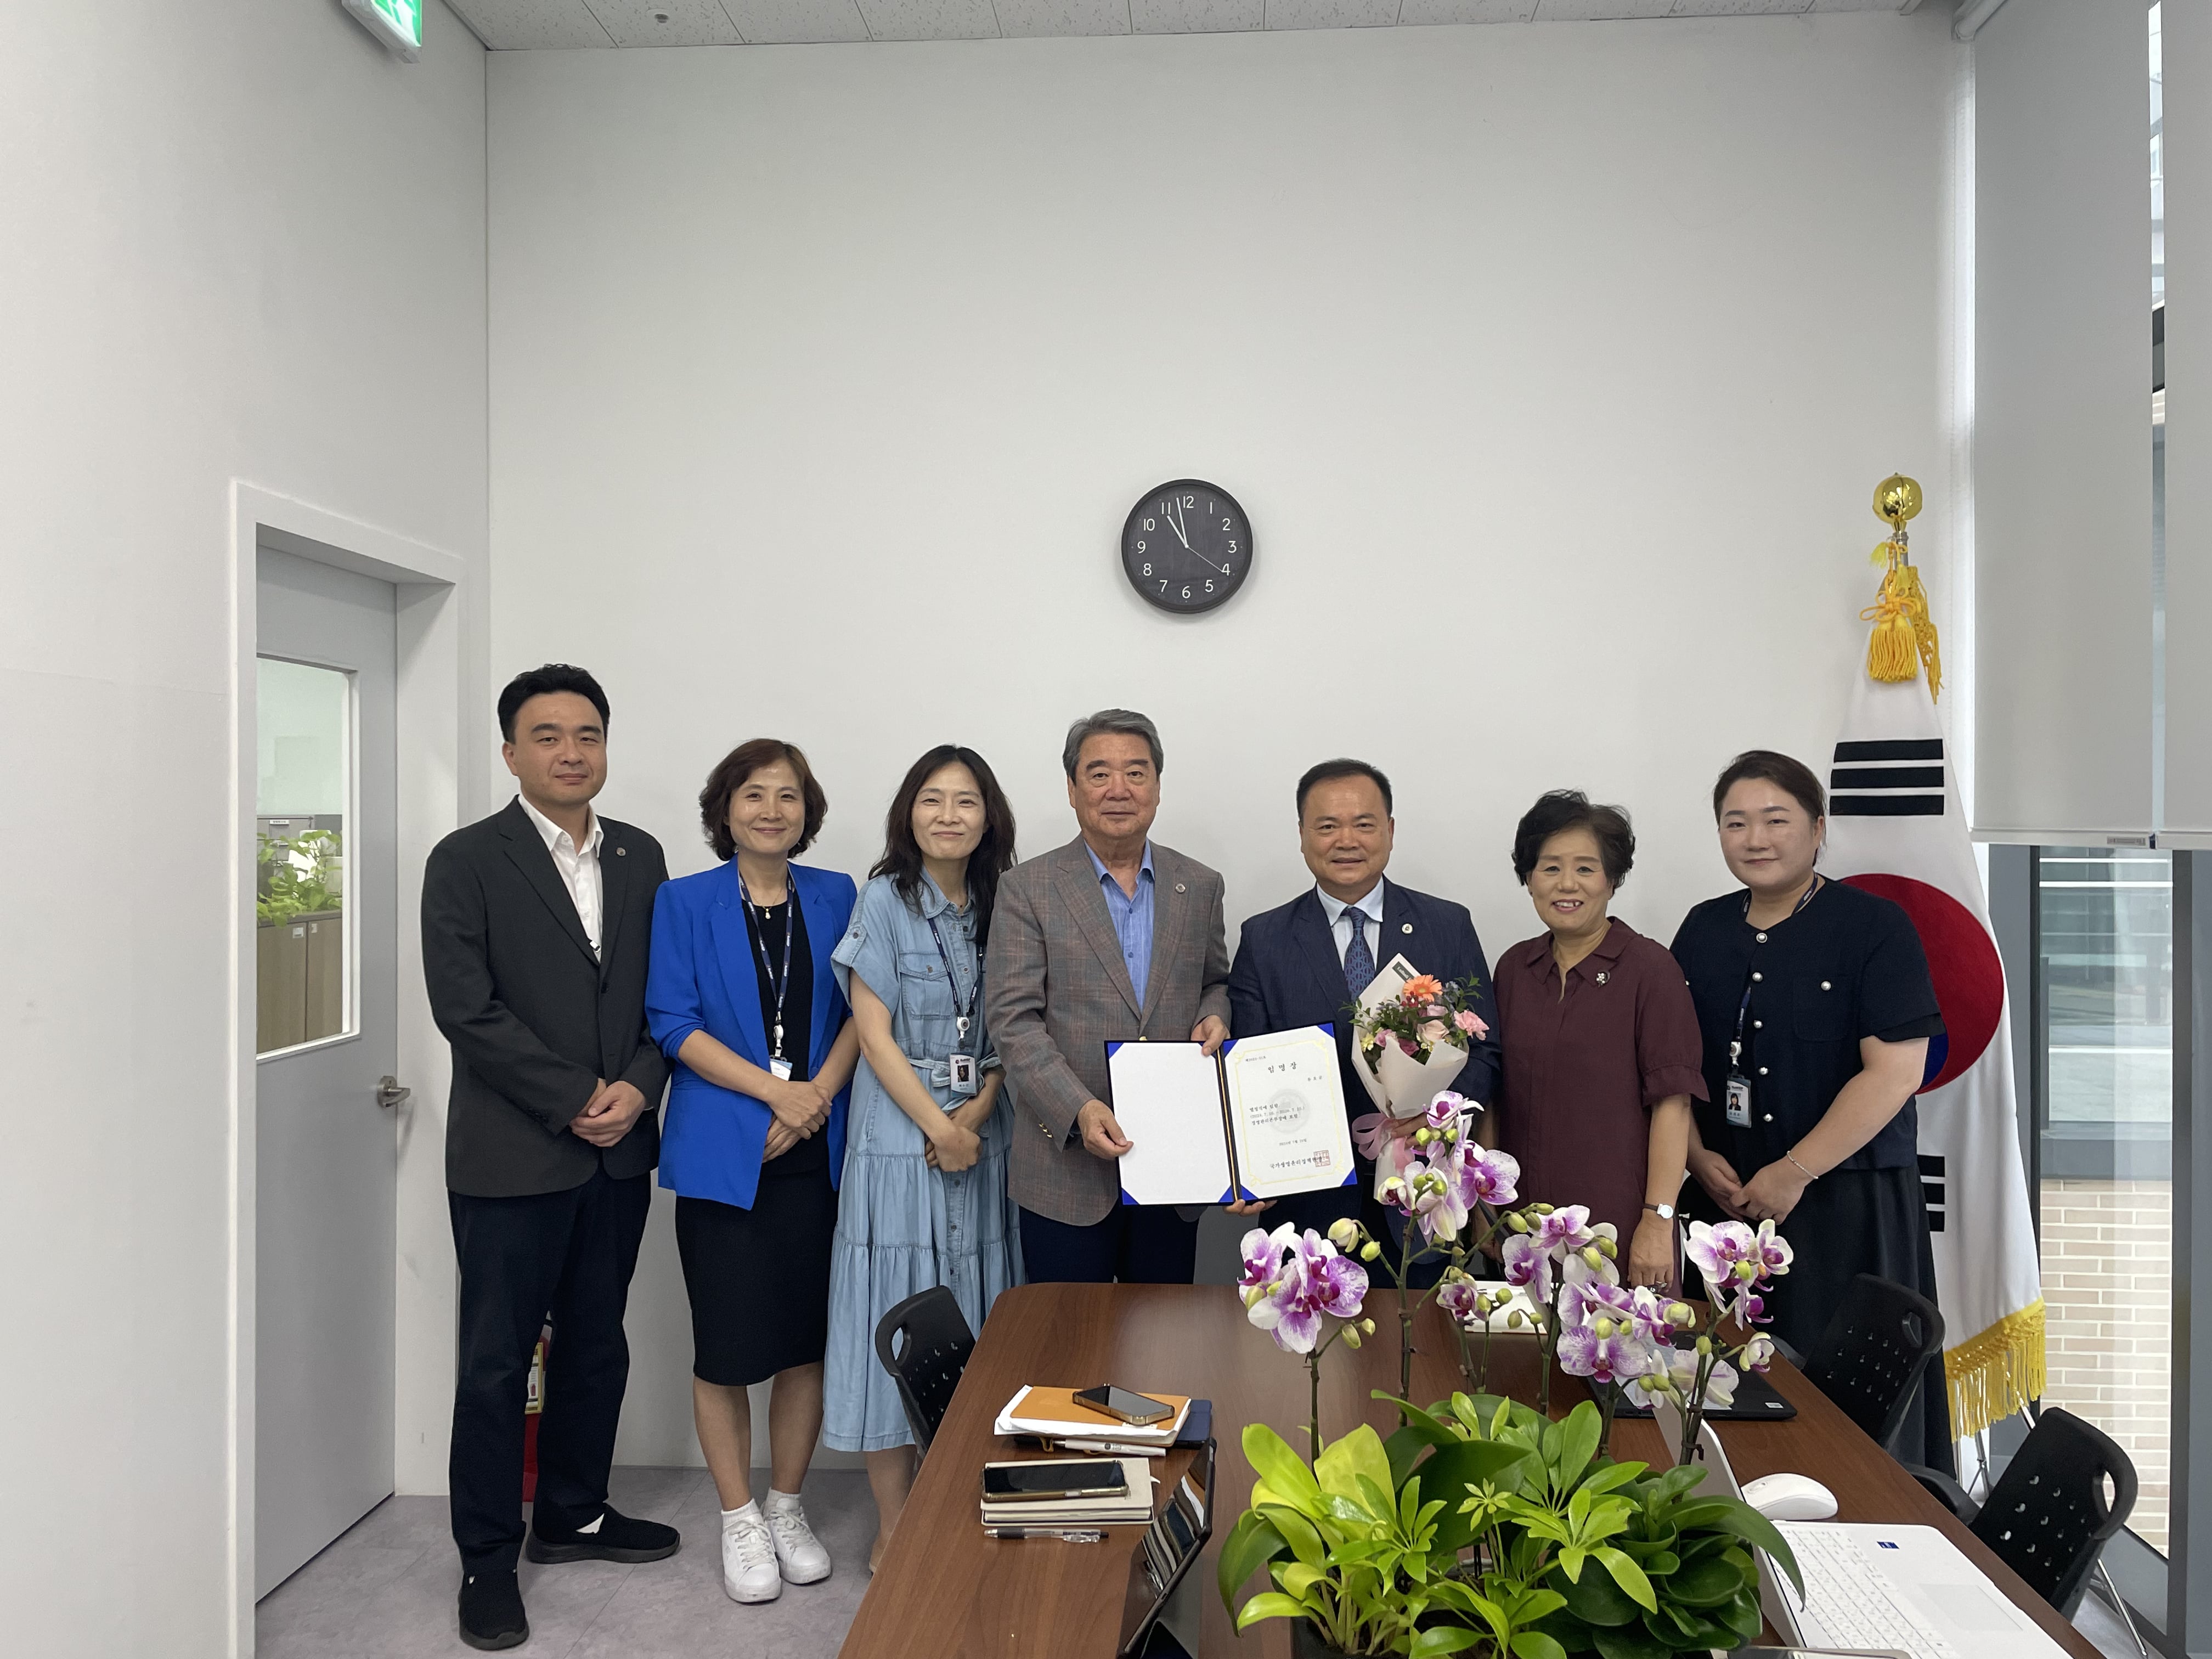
390 1092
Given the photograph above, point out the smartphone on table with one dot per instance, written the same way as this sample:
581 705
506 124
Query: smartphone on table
1124 1403
1089 1477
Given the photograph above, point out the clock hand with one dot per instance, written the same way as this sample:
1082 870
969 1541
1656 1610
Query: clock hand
1174 525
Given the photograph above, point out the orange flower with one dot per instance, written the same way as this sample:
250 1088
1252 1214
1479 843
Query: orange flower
1422 988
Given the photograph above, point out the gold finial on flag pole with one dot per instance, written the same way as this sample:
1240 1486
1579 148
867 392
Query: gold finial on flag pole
1903 635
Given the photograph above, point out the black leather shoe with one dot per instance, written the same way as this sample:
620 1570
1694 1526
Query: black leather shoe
617 1537
491 1611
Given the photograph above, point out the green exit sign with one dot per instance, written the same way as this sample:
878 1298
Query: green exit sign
397 23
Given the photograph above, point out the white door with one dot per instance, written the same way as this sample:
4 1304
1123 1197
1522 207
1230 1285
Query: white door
325 1144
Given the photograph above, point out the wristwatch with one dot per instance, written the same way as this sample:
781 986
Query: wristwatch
1664 1212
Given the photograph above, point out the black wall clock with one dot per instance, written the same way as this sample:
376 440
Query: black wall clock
1187 546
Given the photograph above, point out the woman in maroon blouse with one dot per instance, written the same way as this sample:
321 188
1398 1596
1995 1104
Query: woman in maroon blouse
1600 1038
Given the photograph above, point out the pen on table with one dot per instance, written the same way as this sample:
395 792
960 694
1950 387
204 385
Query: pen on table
1066 1535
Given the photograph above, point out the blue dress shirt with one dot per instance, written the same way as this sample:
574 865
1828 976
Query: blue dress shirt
1132 918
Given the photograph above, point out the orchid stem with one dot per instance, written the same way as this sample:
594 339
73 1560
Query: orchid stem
1313 1409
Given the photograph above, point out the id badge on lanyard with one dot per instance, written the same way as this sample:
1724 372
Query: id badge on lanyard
966 1076
779 1068
1739 1098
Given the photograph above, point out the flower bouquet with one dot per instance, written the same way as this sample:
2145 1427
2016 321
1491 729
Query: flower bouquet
1410 1049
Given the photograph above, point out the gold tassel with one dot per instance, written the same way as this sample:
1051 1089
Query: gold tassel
1993 1375
1904 639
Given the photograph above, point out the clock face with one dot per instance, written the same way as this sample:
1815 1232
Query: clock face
1187 546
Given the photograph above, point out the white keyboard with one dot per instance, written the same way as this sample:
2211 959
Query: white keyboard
1851 1603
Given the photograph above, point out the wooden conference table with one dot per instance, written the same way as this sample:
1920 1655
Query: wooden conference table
946 1590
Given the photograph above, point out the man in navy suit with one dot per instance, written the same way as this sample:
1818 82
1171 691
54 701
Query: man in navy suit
1305 962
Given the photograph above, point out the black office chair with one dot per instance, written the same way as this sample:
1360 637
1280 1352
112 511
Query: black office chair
1870 1360
2048 1518
927 1368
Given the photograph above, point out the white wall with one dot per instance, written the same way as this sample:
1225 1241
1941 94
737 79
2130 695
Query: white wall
251 246
1555 365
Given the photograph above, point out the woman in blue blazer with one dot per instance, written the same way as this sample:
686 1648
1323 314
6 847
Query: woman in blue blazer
741 996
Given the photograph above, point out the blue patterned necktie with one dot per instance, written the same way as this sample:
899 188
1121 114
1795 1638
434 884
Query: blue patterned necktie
1358 960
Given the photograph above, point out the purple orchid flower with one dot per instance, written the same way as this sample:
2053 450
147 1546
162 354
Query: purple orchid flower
1620 1355
1772 1251
1313 1281
1527 1264
1263 1255
1676 1374
1458 1299
1486 1176
1717 1250
1566 1230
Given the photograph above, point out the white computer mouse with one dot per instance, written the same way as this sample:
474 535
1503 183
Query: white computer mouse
1789 1497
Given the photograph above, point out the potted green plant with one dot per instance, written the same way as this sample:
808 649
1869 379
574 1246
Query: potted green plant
300 875
1481 1527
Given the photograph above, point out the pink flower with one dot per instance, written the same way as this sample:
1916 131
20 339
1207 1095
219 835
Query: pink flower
1315 1281
1622 1354
1527 1264
1458 1299
1434 1010
1405 1044
1471 1023
1566 1230
1486 1176
1263 1255
1431 1032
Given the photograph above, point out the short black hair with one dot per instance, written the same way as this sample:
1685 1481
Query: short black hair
729 776
1794 777
536 682
1343 766
1562 810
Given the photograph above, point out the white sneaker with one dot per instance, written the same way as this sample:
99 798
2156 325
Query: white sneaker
798 1551
749 1571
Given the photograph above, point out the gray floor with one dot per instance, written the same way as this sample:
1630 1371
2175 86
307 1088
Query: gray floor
386 1589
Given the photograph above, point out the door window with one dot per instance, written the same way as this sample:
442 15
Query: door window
303 790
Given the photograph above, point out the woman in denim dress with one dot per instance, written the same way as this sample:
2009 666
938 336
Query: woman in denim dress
924 1199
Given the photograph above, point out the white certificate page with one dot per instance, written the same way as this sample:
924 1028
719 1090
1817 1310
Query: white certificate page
1286 1110
1167 1099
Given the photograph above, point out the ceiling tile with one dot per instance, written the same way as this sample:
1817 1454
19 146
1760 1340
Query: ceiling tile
793 22
1586 11
1414 12
1331 14
1197 16
665 22
523 25
1855 5
1062 17
930 20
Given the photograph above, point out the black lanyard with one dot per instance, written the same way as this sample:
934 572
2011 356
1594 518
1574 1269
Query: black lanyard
1735 1048
962 1018
778 984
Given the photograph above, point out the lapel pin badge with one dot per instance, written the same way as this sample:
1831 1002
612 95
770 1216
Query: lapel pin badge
1180 888
1603 976
621 852
1406 927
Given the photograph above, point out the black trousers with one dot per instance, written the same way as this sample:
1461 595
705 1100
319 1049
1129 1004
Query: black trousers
1136 1244
569 1255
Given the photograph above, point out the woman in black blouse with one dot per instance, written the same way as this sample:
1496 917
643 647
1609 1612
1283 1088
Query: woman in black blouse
1816 1005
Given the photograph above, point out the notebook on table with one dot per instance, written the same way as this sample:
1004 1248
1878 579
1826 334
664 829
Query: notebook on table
1055 1414
1129 1507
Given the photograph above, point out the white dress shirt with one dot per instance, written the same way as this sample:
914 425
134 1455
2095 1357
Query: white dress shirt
1341 930
578 867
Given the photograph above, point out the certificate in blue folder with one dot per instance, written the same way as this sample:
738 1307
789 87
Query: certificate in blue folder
1264 1118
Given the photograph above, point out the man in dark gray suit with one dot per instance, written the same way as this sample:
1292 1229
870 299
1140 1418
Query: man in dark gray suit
535 927
1109 939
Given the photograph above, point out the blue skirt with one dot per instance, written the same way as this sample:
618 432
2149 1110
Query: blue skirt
902 1228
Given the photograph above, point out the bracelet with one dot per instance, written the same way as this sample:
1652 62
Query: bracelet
1802 1169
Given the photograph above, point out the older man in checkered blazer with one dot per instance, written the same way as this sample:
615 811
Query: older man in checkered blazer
1108 939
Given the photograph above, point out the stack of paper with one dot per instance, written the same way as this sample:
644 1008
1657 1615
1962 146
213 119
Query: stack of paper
1053 1414
1132 1506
